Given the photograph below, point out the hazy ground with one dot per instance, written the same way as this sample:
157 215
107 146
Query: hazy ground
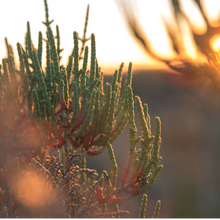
188 185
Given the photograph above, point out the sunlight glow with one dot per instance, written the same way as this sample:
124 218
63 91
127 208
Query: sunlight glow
215 42
155 30
188 42
212 9
33 190
194 15
113 40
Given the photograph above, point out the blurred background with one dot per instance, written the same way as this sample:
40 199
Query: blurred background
170 43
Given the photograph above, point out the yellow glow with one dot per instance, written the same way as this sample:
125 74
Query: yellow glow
154 28
196 19
188 40
212 9
215 42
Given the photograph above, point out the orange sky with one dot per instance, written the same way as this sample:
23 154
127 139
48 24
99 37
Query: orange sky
114 42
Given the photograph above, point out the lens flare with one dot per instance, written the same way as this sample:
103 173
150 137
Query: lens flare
32 189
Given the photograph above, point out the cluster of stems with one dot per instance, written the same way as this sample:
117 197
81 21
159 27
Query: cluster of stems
52 120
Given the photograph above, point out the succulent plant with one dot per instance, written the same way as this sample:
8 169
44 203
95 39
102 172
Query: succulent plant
52 119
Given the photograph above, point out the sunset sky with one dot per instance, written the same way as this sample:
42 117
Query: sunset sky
114 42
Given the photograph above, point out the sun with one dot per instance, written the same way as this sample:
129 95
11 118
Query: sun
215 43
